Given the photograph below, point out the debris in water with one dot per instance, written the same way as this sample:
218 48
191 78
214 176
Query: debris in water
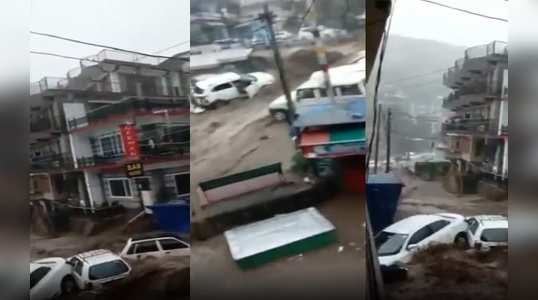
340 249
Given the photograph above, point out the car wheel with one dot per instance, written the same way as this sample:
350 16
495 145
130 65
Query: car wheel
461 241
69 286
279 115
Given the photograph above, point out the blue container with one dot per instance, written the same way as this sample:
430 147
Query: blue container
382 195
173 216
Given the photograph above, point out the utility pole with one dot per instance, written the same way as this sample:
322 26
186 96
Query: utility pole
323 62
389 116
378 123
321 53
268 17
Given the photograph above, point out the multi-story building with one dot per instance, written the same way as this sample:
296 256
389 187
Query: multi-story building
77 154
476 133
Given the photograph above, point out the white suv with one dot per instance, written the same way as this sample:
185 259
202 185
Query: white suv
486 231
155 245
94 269
228 86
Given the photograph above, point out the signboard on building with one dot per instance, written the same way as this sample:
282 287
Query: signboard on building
130 142
134 169
335 150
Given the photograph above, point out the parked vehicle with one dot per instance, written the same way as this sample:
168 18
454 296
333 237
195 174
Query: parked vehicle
94 269
346 80
155 245
228 86
50 278
283 35
326 33
485 232
397 243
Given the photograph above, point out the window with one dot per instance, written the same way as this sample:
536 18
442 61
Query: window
143 183
37 275
171 244
473 225
495 235
119 187
111 145
388 243
438 225
352 89
183 183
305 94
144 247
420 235
107 269
221 87
77 266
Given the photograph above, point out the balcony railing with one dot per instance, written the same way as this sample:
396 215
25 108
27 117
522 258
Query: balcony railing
52 162
473 126
493 48
163 150
127 106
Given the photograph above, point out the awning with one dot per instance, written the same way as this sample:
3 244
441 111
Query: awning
333 136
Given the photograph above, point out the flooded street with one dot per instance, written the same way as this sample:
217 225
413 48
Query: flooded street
298 276
447 271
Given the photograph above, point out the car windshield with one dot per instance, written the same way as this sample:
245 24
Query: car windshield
107 269
388 243
496 235
37 275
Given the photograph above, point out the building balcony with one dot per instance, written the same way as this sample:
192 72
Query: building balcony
475 62
489 127
52 162
135 106
493 49
48 84
161 152
456 103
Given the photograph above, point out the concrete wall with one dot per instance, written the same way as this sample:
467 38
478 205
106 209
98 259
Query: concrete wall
94 188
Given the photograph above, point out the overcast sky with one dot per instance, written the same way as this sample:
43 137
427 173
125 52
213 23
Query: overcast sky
415 18
149 26
138 25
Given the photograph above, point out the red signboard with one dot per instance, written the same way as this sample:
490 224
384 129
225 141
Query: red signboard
130 142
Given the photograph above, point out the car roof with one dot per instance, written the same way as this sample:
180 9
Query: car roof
218 79
154 235
343 75
492 221
413 223
97 256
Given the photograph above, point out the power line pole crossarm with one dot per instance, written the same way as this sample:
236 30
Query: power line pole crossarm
268 17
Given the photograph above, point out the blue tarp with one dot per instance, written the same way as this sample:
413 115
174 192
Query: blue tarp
173 216
382 197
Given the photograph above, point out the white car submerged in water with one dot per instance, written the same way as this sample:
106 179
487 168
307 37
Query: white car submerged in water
50 278
397 243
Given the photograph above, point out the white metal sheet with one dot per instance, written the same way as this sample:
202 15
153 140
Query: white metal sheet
280 230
